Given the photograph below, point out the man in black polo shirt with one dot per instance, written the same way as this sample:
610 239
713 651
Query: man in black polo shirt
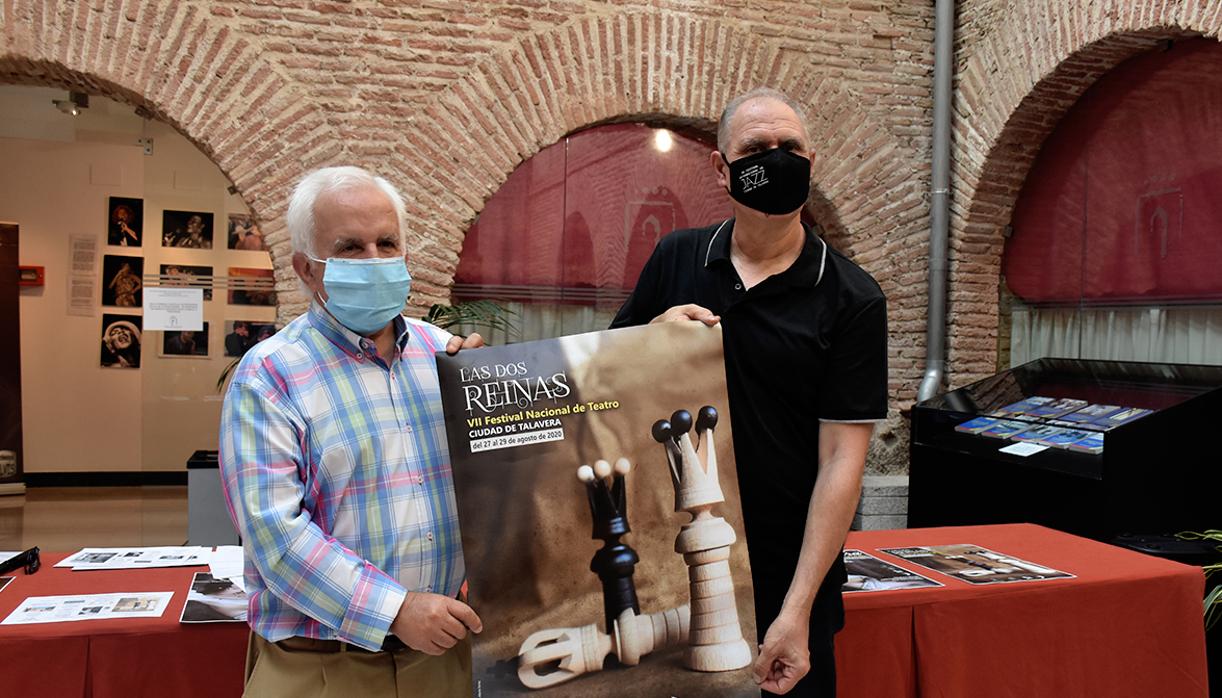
805 336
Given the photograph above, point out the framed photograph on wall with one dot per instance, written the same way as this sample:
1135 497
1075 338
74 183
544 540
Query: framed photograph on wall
252 286
189 276
244 233
241 335
185 343
122 281
190 229
125 222
121 340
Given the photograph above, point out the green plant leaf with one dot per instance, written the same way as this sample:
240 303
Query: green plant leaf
484 313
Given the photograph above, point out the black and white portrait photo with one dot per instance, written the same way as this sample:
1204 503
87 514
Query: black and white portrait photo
191 229
125 226
121 340
122 281
185 342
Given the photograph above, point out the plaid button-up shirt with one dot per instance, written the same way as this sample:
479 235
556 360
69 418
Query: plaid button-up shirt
336 470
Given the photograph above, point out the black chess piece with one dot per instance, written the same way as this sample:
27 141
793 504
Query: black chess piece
615 562
661 431
681 423
707 419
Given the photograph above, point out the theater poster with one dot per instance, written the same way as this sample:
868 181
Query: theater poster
581 465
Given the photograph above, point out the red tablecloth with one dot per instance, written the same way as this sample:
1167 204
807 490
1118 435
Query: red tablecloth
1127 625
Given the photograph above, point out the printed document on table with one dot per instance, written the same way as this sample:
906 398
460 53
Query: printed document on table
136 558
976 565
868 573
61 609
214 600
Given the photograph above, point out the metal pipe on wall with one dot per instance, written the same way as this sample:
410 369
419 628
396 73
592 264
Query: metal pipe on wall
939 238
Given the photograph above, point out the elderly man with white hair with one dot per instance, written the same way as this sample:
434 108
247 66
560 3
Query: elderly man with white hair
334 462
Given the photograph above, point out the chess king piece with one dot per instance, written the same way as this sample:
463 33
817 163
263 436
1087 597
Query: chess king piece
715 642
553 656
615 561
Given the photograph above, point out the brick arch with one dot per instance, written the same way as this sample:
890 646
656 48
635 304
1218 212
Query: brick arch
1050 61
212 86
664 69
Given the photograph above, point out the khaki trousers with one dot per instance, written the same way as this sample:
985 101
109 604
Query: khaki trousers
275 671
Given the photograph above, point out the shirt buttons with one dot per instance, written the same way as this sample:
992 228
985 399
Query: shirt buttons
429 535
429 589
738 287
420 481
360 355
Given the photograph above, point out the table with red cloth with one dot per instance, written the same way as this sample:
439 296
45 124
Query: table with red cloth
118 658
1126 625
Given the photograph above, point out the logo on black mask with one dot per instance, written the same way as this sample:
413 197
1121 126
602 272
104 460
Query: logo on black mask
752 178
775 181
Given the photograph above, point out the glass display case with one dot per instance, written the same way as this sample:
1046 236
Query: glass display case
1094 448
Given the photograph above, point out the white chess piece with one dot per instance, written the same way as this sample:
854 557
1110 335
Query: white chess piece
715 642
577 651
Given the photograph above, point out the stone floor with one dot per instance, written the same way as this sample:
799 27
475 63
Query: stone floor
64 519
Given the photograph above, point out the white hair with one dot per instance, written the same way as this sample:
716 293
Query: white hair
300 216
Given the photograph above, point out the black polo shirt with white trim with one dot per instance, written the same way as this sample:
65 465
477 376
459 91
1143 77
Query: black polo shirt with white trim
803 346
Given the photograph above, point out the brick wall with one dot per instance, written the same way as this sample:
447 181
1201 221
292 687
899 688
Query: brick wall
447 97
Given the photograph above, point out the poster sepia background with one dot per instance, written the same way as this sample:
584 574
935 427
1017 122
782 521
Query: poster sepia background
525 517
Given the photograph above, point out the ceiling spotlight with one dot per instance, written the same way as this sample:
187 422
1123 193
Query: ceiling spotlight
74 104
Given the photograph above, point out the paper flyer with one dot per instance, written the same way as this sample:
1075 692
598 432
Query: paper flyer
976 565
212 600
136 558
579 465
868 573
60 609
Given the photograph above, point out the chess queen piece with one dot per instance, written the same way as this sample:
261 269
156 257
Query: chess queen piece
715 642
615 562
553 656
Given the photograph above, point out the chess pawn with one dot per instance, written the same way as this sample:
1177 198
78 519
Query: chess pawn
616 561
551 657
715 642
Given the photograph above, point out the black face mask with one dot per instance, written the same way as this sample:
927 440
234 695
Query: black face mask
775 181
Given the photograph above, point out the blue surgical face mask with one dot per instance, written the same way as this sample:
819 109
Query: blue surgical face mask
365 294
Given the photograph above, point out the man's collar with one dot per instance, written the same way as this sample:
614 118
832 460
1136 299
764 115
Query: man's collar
807 269
350 342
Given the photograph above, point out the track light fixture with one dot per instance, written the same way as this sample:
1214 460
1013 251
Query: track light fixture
74 104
